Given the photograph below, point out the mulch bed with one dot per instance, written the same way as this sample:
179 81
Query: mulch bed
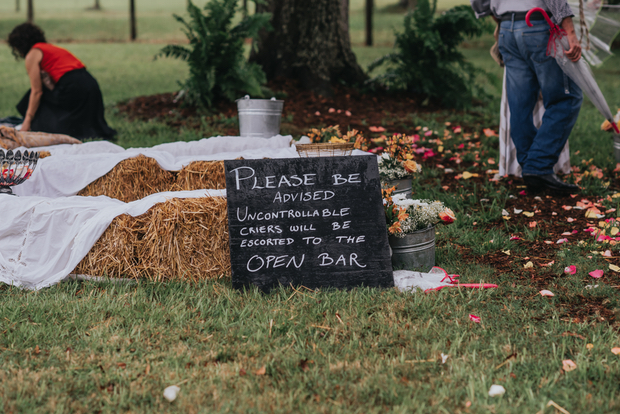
352 109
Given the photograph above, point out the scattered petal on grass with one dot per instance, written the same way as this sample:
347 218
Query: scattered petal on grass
567 207
528 265
474 318
589 346
561 241
514 238
598 273
607 253
548 242
468 404
545 292
261 371
444 358
505 213
532 224
567 233
528 214
615 351
570 270
317 113
517 211
568 365
614 268
522 192
614 231
548 264
591 287
489 132
347 113
170 393
376 129
570 219
331 110
467 175
506 252
496 390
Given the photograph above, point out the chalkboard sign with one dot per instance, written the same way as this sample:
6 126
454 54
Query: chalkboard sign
315 222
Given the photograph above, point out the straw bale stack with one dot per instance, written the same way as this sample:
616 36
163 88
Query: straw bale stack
202 174
180 239
132 179
135 178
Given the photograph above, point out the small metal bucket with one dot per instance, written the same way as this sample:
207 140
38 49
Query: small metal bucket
415 251
259 118
617 147
402 186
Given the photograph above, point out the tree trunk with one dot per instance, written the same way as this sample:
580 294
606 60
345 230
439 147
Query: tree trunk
369 7
16 5
96 6
310 43
132 20
30 11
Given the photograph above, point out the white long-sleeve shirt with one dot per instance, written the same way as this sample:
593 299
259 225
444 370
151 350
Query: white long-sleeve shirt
559 8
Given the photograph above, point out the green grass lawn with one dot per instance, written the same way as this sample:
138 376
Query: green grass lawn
85 347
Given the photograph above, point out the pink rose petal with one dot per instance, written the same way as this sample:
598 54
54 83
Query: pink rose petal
596 273
615 351
568 365
514 238
546 293
570 270
607 253
474 318
317 113
561 241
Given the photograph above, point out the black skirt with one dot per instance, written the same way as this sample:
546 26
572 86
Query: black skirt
74 108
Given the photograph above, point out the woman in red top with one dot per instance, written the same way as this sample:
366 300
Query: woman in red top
63 98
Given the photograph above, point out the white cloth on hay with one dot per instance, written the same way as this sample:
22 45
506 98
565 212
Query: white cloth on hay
43 239
508 164
73 167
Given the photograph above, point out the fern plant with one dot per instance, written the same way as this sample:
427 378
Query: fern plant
218 69
427 61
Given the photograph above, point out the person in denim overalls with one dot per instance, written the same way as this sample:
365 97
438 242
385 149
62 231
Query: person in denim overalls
529 70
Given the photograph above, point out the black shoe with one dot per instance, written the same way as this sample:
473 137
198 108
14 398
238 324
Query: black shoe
549 182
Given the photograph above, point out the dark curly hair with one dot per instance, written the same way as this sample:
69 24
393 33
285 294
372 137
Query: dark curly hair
23 37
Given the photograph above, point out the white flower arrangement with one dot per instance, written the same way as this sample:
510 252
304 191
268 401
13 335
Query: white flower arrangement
393 169
421 214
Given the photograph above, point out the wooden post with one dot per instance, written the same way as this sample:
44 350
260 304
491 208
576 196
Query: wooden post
16 5
30 11
369 6
132 20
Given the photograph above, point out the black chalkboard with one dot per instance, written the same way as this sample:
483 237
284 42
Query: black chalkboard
315 222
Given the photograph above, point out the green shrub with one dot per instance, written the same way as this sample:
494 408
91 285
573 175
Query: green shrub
218 68
427 61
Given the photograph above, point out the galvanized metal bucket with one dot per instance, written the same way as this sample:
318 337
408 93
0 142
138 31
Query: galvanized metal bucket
402 186
617 147
415 251
259 118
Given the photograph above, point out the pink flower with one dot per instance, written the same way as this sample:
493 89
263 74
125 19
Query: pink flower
570 270
596 273
474 318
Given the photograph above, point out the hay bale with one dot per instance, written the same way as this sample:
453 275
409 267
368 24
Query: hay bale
202 174
132 179
180 239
